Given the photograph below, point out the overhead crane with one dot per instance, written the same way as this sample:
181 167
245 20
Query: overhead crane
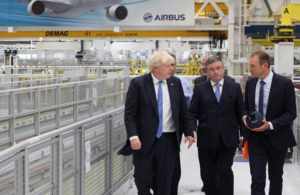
284 32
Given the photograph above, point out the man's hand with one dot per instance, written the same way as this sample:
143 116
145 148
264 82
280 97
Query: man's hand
241 142
264 127
245 123
136 144
195 136
191 139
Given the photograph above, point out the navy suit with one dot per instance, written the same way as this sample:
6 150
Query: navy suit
141 119
218 133
270 146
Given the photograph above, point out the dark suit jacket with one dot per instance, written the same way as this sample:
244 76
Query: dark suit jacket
281 110
141 112
204 78
217 118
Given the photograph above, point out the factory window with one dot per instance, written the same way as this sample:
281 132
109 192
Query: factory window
24 56
72 56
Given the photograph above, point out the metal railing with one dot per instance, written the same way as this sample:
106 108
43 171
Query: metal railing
39 82
74 160
26 73
74 62
28 112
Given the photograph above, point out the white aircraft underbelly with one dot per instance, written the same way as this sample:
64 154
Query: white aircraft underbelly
81 7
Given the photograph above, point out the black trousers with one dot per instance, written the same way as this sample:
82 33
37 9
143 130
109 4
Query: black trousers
262 152
156 168
175 179
215 169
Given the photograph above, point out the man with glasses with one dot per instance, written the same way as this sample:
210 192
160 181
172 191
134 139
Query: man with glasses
218 106
205 77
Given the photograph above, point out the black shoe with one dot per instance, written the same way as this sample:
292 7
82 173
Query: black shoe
202 189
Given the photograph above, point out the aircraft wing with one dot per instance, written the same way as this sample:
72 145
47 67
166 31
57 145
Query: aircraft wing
57 5
134 2
52 4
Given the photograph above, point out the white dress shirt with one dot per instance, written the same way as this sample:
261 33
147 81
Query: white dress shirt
267 88
213 84
168 123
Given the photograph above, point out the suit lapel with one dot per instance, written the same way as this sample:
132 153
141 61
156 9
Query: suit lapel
272 91
151 92
252 95
224 91
210 91
171 94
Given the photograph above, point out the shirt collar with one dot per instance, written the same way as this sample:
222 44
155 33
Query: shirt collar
155 80
268 79
221 82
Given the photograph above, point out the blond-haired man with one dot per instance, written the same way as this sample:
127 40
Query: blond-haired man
156 116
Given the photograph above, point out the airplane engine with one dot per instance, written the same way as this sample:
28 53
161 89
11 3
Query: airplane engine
116 13
36 8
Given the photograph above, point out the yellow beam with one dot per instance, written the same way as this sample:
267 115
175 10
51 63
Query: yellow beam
100 34
210 8
267 42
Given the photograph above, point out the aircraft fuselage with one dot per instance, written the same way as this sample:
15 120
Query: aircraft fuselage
79 7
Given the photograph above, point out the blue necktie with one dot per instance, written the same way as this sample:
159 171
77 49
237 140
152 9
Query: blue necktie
160 110
261 99
217 93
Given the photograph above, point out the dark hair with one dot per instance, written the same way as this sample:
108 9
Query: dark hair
173 56
263 57
213 59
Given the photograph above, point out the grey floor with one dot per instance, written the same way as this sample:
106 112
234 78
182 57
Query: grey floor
191 183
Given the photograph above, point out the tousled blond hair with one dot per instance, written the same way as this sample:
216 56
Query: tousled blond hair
157 59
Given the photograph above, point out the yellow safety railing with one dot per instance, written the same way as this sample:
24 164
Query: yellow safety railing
137 71
197 65
188 68
192 68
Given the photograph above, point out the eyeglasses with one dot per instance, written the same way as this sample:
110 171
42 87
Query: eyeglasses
218 69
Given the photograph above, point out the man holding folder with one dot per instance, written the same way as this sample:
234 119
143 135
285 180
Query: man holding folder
273 96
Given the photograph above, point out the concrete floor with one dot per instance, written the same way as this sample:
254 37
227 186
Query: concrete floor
191 183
